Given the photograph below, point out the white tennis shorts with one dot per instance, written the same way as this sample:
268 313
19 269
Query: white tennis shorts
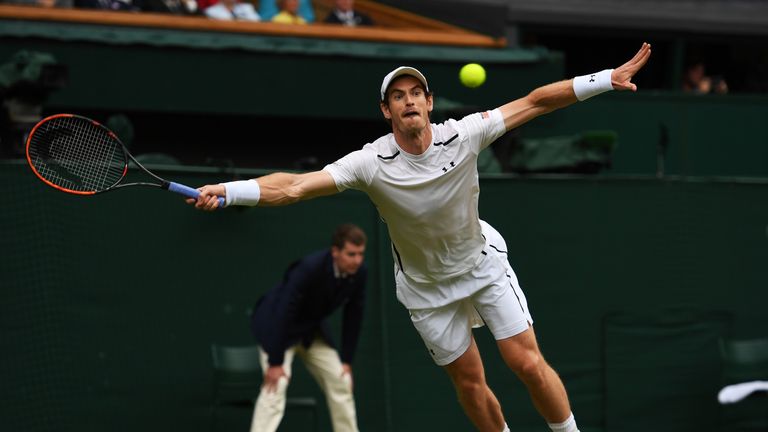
499 303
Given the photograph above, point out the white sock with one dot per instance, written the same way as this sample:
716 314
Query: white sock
506 428
569 425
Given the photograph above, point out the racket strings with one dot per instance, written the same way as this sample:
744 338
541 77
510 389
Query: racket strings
76 154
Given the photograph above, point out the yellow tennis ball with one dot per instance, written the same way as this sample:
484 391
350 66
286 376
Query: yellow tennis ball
472 75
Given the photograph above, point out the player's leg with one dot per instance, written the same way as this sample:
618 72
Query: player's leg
270 405
477 399
521 353
506 316
447 333
324 364
503 307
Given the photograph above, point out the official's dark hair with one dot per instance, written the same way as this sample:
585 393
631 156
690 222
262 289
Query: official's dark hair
348 233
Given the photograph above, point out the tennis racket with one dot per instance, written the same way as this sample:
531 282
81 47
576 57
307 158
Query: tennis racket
77 155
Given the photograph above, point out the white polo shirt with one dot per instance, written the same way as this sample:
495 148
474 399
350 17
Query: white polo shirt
428 201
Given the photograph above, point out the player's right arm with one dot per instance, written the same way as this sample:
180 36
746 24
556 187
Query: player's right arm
276 189
283 188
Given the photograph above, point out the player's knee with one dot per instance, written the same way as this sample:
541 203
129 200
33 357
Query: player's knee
470 387
529 366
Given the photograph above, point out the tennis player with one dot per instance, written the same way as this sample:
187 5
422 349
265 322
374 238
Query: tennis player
450 267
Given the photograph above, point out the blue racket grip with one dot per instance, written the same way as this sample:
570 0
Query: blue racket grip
188 191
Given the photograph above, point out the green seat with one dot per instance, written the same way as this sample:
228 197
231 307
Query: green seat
588 152
661 369
237 381
744 361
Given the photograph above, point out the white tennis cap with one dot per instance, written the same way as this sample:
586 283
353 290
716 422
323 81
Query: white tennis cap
402 70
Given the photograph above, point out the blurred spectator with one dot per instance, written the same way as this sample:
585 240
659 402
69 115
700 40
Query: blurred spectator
269 8
697 81
202 5
289 13
41 3
345 13
232 10
121 5
176 7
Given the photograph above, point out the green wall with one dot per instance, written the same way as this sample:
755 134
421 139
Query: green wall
109 303
164 70
163 74
158 84
707 135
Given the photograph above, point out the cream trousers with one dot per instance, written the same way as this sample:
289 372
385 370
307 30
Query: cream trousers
324 364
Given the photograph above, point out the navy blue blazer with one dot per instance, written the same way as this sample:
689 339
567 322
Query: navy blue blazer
296 309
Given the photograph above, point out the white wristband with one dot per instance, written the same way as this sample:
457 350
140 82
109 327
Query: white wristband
243 192
586 86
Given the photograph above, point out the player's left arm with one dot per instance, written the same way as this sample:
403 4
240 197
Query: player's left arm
560 94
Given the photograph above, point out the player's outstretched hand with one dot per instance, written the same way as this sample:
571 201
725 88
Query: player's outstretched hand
622 75
209 197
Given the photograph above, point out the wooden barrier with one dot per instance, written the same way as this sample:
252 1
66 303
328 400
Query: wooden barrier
388 16
424 31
